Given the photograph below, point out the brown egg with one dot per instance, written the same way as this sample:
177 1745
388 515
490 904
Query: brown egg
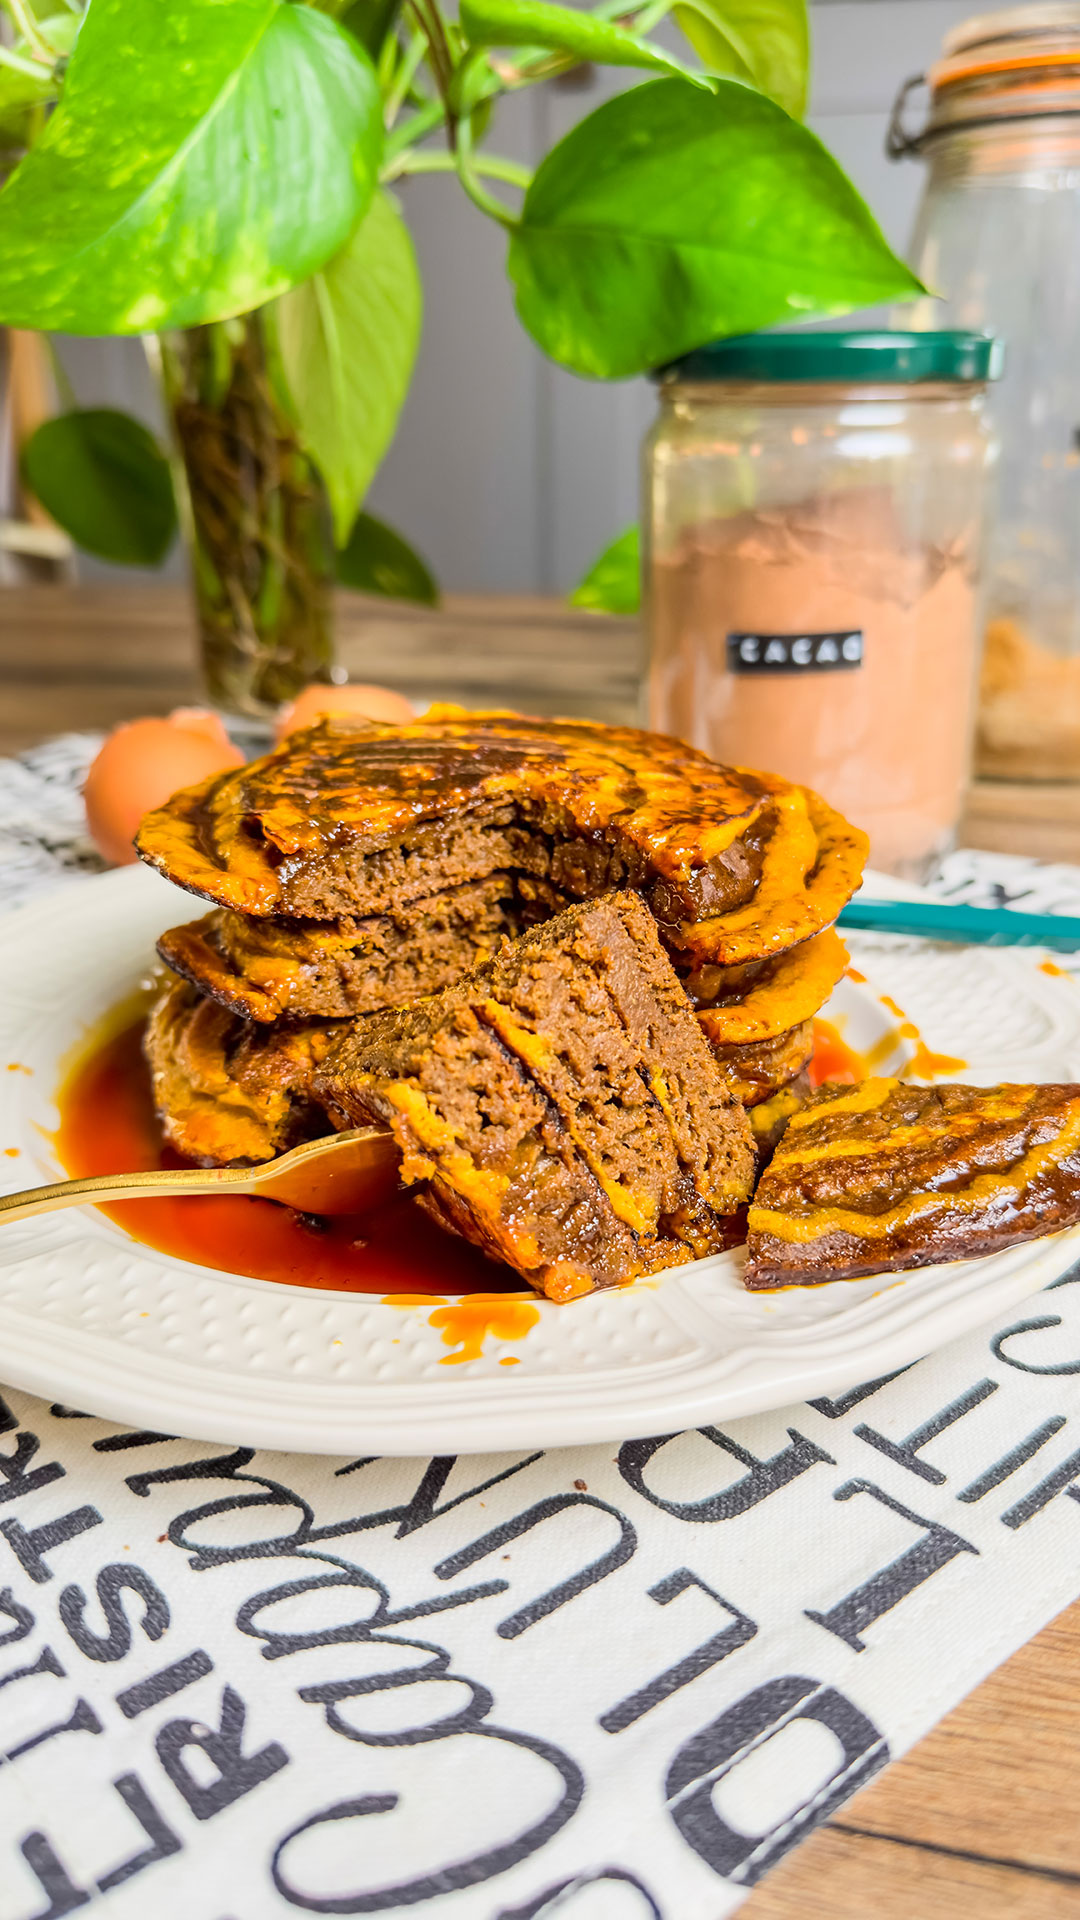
141 765
358 702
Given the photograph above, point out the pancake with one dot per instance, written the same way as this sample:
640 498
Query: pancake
228 1093
268 970
884 1176
559 1105
342 822
362 866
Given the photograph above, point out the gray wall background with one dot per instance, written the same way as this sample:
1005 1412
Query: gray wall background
507 473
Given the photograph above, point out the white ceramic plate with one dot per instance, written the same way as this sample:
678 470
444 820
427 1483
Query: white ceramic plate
94 1319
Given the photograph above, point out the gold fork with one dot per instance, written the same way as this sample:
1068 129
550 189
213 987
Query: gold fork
346 1173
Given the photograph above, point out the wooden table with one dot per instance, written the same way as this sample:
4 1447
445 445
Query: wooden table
88 657
980 1818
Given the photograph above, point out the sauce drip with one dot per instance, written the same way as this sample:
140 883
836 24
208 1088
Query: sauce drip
108 1125
833 1059
464 1326
925 1065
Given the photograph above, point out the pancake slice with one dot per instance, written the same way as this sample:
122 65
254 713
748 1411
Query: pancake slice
883 1176
560 1104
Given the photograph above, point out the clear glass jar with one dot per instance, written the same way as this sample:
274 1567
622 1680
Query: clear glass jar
814 523
258 521
998 237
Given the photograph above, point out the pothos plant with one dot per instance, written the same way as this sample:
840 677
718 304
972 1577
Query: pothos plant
218 175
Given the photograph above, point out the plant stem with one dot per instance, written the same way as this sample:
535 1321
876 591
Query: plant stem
389 54
490 164
644 19
19 64
64 387
415 128
30 31
441 38
428 20
410 60
467 172
257 512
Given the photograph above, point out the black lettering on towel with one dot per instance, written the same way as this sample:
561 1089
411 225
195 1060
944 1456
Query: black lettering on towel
56 1884
237 1772
703 1761
163 1841
997 1345
455 1875
709 1654
557 1596
850 1617
906 1452
761 1478
30 1545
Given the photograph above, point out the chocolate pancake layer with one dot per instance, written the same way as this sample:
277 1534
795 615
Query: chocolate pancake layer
758 1070
560 1104
228 1092
748 1006
344 822
882 1176
267 970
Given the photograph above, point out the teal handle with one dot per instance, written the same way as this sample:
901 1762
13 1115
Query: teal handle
975 926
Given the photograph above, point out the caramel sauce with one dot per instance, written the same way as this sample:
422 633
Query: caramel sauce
925 1065
506 1316
833 1059
108 1125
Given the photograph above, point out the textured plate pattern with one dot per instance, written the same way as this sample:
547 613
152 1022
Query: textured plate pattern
92 1318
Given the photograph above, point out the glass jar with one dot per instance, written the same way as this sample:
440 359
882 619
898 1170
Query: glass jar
257 518
814 522
997 236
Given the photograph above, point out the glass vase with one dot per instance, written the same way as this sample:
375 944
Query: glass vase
257 517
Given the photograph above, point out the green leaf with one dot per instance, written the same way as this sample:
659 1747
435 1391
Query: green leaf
59 31
538 23
205 156
369 21
105 480
613 582
347 340
21 94
672 216
375 559
766 42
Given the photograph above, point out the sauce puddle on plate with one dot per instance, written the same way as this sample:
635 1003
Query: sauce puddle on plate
108 1125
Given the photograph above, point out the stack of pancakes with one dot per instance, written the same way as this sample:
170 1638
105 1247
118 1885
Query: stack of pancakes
358 867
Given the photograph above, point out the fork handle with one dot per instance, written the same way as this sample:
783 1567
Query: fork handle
103 1187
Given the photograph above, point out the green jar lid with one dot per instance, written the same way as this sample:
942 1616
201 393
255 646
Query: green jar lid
871 359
